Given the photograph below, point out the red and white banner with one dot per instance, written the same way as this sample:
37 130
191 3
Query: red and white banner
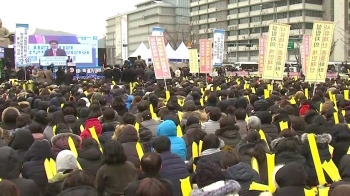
305 51
159 57
332 75
262 48
238 73
206 56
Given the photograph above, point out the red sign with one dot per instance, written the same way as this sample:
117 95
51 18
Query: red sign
159 57
206 56
331 75
292 74
262 48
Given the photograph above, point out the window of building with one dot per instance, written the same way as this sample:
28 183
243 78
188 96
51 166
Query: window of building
203 7
244 31
255 7
295 26
282 15
194 1
313 13
317 2
194 9
212 15
309 25
203 26
267 17
254 41
232 33
255 30
292 2
233 22
242 0
243 54
233 1
348 52
265 29
295 13
255 19
234 11
212 5
254 53
212 25
281 3
243 20
243 10
201 17
268 5
211 35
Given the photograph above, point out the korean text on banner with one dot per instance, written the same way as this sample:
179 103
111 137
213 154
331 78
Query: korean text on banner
21 45
159 57
322 35
218 48
206 51
56 60
276 51
194 67
262 51
306 52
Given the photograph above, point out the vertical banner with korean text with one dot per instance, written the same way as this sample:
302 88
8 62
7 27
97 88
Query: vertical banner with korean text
194 67
262 51
322 36
218 47
276 51
21 45
305 52
206 51
159 57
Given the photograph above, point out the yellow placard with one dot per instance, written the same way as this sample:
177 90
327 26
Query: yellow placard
167 95
309 192
323 191
346 94
195 153
179 131
270 158
255 165
283 125
306 92
336 117
186 186
321 42
139 150
276 51
316 158
258 187
292 101
94 135
48 170
137 126
266 93
194 66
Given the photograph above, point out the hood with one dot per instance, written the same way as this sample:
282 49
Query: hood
24 104
70 118
22 140
54 101
90 153
320 139
40 150
66 160
10 165
240 172
87 101
292 174
83 113
344 169
60 140
166 128
228 132
218 188
275 142
128 134
9 111
130 98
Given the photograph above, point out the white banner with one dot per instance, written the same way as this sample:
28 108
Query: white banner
81 52
124 26
56 60
21 45
218 47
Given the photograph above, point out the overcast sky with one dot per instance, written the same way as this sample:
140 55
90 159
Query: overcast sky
80 17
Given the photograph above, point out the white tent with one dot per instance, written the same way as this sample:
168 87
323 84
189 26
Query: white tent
182 52
170 52
143 51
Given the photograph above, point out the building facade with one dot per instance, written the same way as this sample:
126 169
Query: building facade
246 20
116 39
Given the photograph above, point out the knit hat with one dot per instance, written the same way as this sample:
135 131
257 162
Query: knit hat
304 109
66 161
292 174
208 173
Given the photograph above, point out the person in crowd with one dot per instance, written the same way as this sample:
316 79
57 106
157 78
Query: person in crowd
80 122
79 182
119 105
194 133
213 123
33 166
151 164
110 117
10 168
8 188
178 146
56 119
344 171
92 121
37 131
340 142
90 156
173 166
116 173
149 123
266 124
59 142
65 164
229 132
342 190
152 187
241 115
21 142
9 116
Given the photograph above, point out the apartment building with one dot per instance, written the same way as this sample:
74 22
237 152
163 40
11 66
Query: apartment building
246 20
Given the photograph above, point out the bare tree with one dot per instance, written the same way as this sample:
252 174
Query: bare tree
182 34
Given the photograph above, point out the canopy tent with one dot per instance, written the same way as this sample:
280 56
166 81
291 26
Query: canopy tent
170 52
143 51
182 52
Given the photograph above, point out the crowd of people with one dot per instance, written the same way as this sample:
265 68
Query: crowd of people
107 138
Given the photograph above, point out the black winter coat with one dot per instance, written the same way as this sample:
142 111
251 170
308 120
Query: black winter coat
230 136
79 190
271 130
344 171
90 159
244 175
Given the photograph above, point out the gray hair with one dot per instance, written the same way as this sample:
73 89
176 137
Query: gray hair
254 123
